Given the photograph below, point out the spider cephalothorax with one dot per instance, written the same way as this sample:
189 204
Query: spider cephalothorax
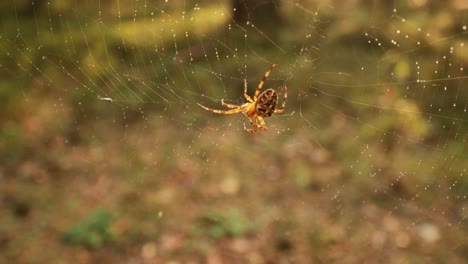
262 105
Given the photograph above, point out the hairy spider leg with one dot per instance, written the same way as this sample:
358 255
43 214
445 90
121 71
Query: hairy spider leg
253 122
283 105
229 105
260 85
262 123
224 112
246 95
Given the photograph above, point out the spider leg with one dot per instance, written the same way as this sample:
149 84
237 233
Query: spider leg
254 125
223 112
262 123
259 87
283 105
245 92
229 105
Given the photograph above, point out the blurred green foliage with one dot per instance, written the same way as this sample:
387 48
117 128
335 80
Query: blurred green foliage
214 224
94 231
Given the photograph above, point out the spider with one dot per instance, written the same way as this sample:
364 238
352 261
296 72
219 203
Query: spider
262 105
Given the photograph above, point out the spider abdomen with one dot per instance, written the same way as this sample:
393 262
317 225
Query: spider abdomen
266 103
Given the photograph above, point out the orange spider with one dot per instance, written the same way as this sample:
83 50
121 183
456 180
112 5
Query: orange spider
262 105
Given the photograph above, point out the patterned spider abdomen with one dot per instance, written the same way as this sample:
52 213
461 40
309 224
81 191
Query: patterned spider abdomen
266 103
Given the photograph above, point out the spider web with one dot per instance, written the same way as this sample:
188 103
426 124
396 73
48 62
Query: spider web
368 162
